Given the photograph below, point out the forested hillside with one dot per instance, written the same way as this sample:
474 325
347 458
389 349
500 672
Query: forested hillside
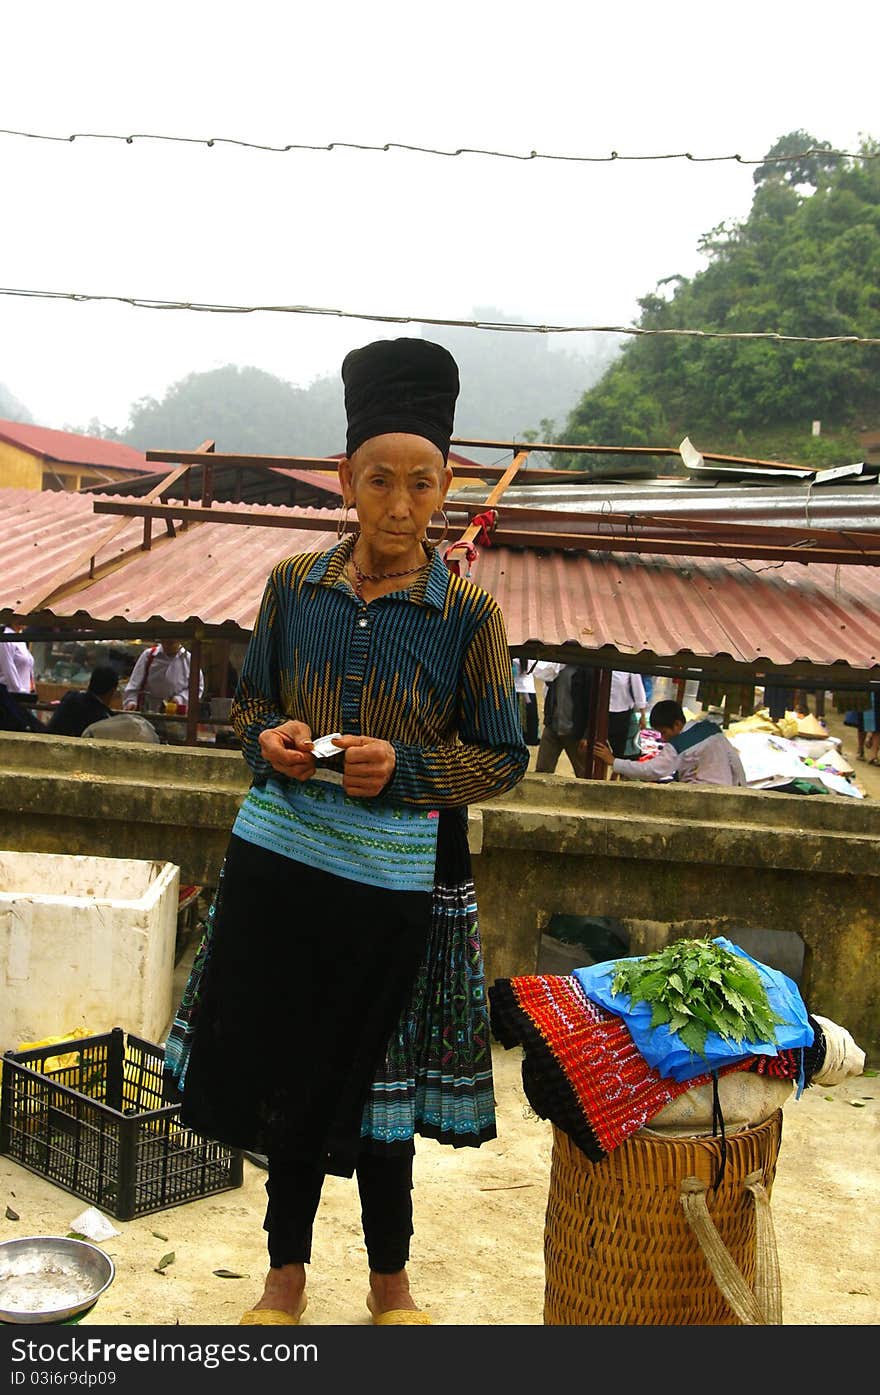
10 407
806 261
513 386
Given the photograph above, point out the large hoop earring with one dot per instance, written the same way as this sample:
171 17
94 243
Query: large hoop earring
342 525
445 532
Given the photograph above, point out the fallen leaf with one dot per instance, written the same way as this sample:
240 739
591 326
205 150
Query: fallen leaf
227 1274
158 1236
857 1104
77 1235
165 1261
12 1215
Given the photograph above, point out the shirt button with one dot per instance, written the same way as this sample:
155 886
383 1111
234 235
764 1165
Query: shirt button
363 622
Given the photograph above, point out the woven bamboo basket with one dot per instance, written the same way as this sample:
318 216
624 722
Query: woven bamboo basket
643 1238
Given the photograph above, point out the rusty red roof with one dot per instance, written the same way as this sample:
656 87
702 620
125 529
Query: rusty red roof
678 611
71 448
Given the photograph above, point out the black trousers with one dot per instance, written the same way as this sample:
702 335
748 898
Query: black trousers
618 730
385 1187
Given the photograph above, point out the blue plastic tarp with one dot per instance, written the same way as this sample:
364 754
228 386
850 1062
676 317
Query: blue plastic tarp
664 1049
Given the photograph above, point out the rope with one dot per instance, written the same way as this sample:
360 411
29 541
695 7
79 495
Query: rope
768 1282
754 1309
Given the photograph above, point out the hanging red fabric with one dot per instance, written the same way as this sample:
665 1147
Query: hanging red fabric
485 522
454 563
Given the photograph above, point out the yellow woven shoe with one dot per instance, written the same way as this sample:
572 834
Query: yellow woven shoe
271 1317
402 1317
398 1317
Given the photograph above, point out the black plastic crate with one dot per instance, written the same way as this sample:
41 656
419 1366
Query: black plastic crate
102 1128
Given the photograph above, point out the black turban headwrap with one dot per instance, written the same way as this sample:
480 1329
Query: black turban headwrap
407 385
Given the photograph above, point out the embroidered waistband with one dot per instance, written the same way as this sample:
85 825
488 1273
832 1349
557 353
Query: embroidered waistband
317 823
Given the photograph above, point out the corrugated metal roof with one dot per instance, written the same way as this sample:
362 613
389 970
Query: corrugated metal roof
213 573
676 609
852 506
678 606
72 448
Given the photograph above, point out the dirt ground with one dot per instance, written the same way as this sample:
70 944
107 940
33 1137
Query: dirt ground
477 1255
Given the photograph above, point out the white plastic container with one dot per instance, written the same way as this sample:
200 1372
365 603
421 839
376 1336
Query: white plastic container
85 942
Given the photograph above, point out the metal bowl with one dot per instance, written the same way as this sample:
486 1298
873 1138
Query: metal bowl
49 1278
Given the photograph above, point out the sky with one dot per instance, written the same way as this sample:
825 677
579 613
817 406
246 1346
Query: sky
397 233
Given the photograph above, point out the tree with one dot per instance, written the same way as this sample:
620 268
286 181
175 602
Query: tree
509 382
10 407
805 262
797 159
244 410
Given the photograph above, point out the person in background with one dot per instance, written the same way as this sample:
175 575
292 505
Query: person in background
871 724
16 665
16 684
695 752
123 726
627 696
161 672
525 671
778 701
566 714
855 718
524 683
78 710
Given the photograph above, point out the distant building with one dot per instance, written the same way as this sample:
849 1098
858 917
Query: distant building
37 457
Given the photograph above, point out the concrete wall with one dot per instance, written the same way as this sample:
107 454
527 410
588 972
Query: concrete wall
668 861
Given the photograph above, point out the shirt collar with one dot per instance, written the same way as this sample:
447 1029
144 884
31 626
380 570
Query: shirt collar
430 588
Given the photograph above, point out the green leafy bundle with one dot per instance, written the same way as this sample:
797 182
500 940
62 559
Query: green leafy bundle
696 987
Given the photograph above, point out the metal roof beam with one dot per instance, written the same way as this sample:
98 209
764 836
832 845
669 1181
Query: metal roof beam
731 541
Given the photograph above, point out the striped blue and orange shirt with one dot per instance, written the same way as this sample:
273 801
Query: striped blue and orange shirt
427 669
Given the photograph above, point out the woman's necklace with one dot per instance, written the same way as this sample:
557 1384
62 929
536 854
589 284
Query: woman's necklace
360 577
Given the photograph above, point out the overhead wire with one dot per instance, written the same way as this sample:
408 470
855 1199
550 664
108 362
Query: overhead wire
218 308
612 156
139 302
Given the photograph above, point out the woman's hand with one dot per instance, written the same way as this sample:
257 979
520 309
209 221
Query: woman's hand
287 749
369 764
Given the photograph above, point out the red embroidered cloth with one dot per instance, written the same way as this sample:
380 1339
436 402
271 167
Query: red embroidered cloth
581 1068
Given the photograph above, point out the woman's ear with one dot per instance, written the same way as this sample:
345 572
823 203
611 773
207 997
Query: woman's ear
446 481
346 479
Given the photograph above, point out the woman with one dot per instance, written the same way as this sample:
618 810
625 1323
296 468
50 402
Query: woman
339 1006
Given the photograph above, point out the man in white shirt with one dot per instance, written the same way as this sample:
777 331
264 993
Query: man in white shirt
524 683
695 753
161 672
16 664
627 696
525 671
16 685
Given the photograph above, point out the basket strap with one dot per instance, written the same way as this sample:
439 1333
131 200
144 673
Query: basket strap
768 1282
754 1309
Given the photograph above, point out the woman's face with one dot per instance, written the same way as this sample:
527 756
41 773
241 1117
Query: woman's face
395 482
